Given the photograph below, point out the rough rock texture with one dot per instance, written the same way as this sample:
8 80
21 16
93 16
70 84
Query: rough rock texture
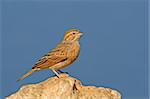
64 87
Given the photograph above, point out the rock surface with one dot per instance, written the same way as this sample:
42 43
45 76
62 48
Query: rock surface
64 87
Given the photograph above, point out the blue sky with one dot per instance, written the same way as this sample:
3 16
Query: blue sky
114 48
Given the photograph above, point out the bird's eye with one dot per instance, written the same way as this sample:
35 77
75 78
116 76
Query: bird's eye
74 33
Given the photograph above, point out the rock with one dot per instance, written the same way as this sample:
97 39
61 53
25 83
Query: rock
64 87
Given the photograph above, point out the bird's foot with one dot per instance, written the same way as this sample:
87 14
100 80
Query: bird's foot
62 72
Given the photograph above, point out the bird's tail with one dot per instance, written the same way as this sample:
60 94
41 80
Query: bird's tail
27 74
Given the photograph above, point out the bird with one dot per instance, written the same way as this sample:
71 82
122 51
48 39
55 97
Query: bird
64 54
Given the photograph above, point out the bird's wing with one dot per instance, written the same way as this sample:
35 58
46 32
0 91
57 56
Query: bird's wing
57 55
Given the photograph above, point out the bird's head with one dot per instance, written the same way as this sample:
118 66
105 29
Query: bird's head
72 35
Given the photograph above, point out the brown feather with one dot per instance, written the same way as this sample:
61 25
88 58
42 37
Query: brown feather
57 55
60 57
27 74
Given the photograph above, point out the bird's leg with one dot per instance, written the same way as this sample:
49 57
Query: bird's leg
55 73
62 71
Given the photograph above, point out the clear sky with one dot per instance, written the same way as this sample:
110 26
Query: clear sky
114 48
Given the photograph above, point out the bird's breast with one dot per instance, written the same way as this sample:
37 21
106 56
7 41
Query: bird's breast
74 52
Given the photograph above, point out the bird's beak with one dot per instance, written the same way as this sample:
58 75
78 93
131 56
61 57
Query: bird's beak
81 34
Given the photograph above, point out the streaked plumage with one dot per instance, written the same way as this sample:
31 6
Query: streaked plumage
63 55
